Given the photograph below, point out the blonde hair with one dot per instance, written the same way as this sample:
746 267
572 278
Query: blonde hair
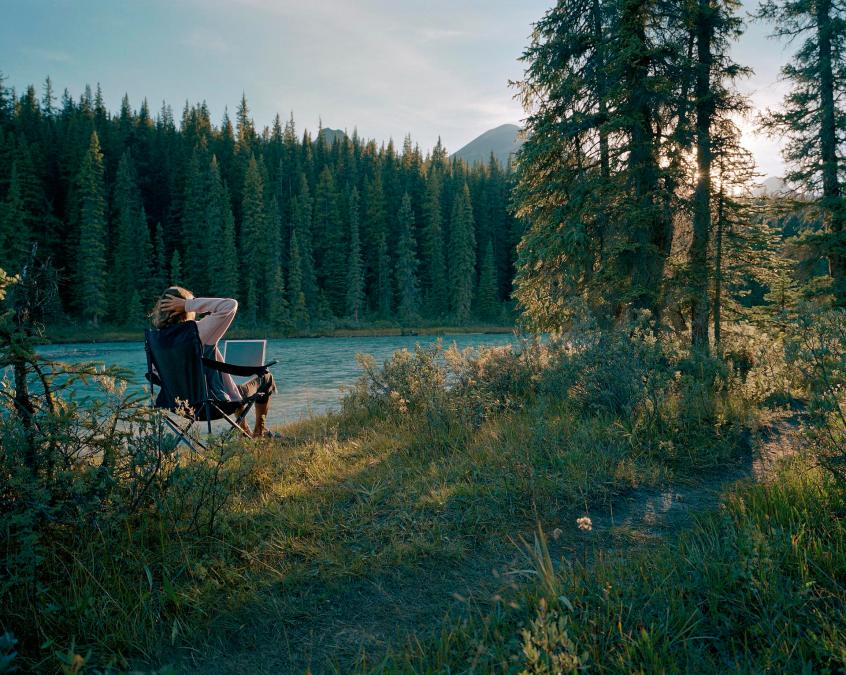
161 318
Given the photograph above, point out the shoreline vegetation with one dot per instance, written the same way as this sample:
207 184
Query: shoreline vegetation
85 334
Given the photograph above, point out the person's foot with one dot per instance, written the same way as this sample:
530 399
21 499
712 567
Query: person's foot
269 434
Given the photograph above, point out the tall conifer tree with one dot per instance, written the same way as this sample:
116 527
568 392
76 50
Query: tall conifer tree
296 294
220 223
302 215
253 239
813 115
91 253
200 246
487 302
160 267
434 262
355 269
130 250
408 288
384 286
329 242
462 256
15 235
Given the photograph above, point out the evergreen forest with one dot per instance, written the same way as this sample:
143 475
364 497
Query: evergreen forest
305 231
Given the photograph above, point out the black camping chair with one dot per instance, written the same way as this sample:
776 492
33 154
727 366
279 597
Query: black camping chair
175 364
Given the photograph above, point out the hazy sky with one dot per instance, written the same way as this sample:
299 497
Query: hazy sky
388 67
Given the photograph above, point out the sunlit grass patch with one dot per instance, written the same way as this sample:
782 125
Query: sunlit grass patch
759 584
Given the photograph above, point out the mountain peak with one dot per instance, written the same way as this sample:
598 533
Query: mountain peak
502 141
331 135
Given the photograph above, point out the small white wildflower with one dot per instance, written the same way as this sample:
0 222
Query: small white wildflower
585 524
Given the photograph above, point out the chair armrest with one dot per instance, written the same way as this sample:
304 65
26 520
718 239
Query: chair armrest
232 369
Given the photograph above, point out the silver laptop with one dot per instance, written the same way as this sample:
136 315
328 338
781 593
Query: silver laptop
244 353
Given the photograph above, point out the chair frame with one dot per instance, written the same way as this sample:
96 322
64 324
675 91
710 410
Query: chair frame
212 408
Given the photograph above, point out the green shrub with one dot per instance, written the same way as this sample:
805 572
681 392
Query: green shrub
820 354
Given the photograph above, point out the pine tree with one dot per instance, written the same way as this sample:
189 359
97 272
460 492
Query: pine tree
462 256
245 130
355 270
159 268
302 221
91 253
713 26
176 269
437 295
384 287
376 245
812 114
195 233
329 242
221 232
28 205
296 295
278 313
253 239
487 303
131 246
408 290
147 282
48 99
15 235
134 309
606 86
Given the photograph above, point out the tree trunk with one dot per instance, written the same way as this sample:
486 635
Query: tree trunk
649 231
828 147
718 266
604 161
702 196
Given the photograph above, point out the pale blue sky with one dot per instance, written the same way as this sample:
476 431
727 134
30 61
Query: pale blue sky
388 67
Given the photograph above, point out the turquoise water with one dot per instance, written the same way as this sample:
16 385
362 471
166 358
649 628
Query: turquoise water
310 372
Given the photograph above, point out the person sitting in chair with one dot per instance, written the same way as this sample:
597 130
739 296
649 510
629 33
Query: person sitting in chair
177 304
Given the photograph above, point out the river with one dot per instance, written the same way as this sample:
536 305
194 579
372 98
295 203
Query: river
310 374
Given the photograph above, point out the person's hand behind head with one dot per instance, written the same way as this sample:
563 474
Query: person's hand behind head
172 305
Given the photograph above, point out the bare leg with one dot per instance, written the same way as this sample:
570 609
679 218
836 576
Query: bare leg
261 415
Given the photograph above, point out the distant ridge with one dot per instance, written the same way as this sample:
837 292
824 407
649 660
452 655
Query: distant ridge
331 135
501 141
771 187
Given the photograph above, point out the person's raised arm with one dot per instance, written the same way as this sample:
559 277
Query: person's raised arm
219 312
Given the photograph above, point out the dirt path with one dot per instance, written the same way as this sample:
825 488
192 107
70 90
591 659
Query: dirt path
366 616
651 512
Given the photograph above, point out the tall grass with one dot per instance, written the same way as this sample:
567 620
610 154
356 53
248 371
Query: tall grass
757 586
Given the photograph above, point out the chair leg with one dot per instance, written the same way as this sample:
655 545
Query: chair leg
182 434
235 424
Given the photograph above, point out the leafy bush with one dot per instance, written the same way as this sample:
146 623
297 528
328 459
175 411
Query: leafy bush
672 405
820 356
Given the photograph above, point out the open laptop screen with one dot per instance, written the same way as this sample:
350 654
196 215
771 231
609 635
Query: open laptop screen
245 352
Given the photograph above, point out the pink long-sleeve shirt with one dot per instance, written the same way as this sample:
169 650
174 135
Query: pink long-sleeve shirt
219 314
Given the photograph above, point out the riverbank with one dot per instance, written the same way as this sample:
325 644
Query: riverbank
75 333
